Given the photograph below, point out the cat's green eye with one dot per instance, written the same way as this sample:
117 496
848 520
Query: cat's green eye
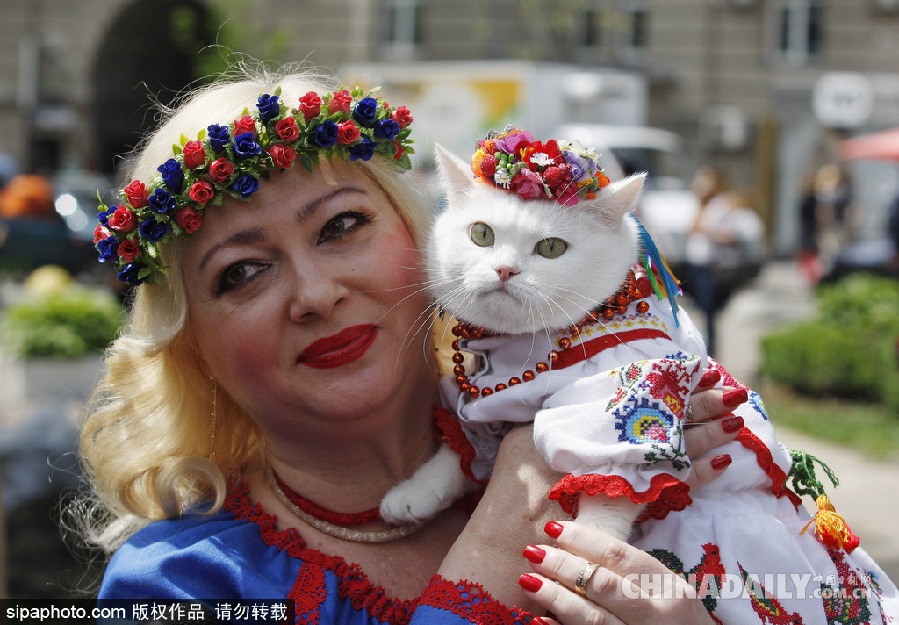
482 234
551 248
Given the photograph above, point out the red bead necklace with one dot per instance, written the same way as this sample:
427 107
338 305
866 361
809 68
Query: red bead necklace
635 288
314 510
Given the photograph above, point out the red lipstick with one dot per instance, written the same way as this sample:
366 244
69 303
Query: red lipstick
339 349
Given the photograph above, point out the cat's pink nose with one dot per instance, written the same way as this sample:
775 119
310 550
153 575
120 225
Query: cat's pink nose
505 273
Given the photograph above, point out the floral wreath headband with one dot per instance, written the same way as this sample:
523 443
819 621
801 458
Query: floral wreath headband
229 161
561 170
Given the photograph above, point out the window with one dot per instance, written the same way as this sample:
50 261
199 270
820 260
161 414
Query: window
799 31
403 24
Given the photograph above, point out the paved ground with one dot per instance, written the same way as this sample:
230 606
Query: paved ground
868 496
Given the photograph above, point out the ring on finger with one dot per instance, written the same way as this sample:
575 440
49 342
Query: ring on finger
689 413
583 578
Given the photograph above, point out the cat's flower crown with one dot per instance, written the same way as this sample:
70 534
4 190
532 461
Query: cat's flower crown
229 160
558 170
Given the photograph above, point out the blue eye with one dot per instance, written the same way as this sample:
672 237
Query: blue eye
551 248
482 234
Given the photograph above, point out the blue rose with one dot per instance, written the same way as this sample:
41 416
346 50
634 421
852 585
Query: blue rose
153 230
363 150
103 216
172 174
325 136
130 272
366 111
386 129
268 107
245 145
162 201
108 249
218 137
246 185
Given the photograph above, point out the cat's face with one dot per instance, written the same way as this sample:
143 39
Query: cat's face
522 266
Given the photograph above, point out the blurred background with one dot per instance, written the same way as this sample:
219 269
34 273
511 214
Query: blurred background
766 127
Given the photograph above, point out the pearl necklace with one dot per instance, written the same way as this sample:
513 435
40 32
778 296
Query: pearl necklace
340 531
634 289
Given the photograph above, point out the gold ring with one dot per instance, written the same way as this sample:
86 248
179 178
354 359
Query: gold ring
583 578
689 412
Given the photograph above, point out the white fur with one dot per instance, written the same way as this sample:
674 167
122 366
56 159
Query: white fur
543 295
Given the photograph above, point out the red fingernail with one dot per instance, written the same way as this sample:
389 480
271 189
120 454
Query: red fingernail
537 621
719 462
529 583
534 554
735 397
732 425
553 528
710 378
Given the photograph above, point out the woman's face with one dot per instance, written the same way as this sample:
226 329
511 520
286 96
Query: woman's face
307 299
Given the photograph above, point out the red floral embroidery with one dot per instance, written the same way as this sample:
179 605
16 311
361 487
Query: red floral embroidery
588 349
309 592
666 492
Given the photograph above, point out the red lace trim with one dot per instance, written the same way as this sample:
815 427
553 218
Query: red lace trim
588 349
447 429
309 591
666 493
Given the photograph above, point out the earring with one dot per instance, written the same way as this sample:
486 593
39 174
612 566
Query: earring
215 388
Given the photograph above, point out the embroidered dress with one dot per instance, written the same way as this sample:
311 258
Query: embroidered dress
239 554
610 415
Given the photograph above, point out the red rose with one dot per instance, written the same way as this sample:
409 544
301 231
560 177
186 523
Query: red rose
201 192
311 105
137 194
122 220
244 124
340 102
282 155
402 116
220 170
100 233
129 250
347 132
287 129
194 155
488 166
189 219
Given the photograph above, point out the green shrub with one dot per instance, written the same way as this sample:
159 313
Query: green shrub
848 349
68 323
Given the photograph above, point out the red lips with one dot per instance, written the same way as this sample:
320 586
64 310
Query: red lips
339 349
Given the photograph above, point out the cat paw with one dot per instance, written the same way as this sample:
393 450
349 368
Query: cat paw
410 505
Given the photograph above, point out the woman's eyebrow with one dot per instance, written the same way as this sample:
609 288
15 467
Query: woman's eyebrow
308 210
243 237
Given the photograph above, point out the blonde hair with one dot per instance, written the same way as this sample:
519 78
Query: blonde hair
147 438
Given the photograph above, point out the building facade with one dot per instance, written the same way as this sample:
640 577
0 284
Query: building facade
764 88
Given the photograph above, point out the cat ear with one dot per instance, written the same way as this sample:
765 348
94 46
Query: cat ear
616 200
454 173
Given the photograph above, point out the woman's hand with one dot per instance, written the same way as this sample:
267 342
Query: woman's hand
629 586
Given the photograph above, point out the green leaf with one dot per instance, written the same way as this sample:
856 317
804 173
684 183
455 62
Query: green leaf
176 149
202 134
184 139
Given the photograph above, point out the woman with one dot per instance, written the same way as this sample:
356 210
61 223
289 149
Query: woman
277 356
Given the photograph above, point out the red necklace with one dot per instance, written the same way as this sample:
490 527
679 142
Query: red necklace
323 514
635 287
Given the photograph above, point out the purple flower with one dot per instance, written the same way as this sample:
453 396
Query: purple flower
172 174
364 150
386 129
366 111
245 145
268 107
246 185
581 166
108 249
130 274
218 137
510 144
162 201
153 230
325 135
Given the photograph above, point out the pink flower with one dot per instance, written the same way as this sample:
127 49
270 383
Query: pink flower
122 220
310 105
220 170
137 194
287 129
402 116
189 219
347 132
282 155
340 102
528 185
244 124
101 232
129 250
194 155
201 192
